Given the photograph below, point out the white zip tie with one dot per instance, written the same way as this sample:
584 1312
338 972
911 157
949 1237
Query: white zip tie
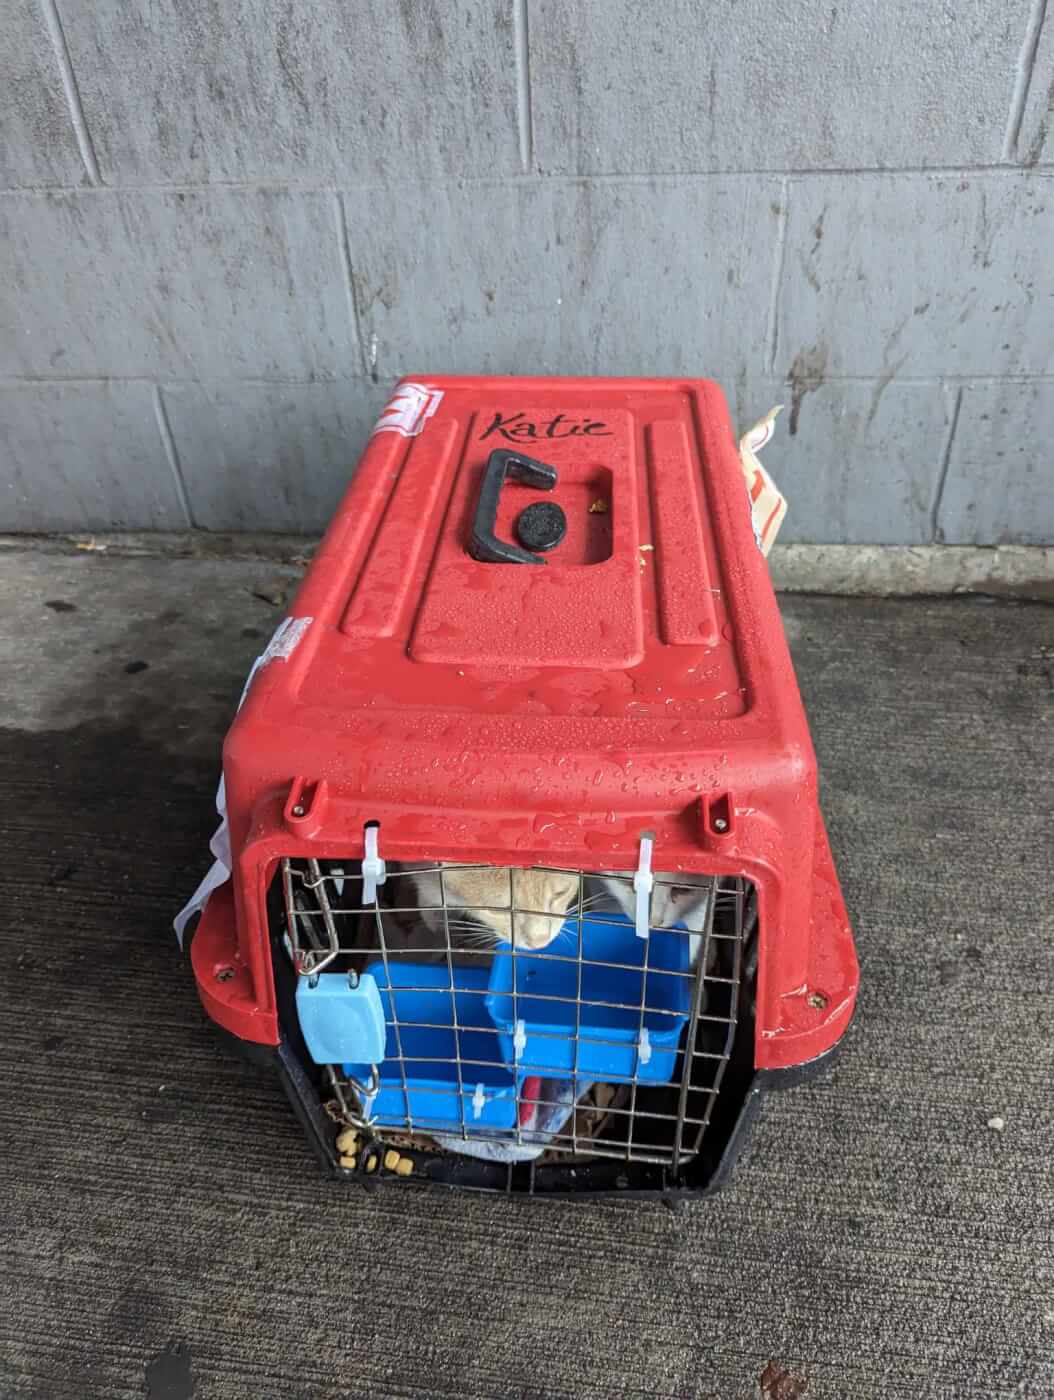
338 879
519 1039
373 868
479 1100
644 1046
642 883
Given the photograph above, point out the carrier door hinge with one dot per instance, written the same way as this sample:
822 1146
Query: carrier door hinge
717 817
305 807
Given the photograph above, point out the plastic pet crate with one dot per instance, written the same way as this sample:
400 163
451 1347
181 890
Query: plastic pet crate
538 642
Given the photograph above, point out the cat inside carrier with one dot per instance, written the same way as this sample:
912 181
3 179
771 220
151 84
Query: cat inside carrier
521 881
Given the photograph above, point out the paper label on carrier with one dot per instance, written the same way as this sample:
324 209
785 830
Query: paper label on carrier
286 639
768 505
409 409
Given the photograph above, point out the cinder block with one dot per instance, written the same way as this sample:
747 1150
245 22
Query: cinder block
37 142
267 90
751 85
84 456
919 275
218 283
655 277
270 456
1000 486
1035 143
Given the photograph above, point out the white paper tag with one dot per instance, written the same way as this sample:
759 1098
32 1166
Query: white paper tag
409 409
768 505
286 639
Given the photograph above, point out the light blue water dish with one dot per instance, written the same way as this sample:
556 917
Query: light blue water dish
341 1017
419 1076
548 1026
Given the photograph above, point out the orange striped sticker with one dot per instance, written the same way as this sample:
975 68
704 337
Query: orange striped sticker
768 506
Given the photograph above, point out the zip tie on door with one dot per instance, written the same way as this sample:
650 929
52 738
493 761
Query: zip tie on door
643 882
479 1101
374 871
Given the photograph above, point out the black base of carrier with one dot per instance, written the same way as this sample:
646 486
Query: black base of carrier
727 1132
706 1173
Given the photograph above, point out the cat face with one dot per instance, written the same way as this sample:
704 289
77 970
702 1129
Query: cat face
541 900
675 899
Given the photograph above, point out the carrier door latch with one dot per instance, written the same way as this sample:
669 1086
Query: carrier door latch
541 526
643 881
374 869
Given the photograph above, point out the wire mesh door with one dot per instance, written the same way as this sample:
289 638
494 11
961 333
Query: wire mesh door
524 1018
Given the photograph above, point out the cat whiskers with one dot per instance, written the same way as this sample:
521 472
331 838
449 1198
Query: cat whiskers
601 897
472 934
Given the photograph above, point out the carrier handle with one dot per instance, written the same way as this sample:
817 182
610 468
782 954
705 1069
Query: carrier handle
502 462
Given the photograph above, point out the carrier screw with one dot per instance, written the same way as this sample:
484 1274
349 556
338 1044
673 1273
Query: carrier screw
225 974
817 1000
298 811
720 824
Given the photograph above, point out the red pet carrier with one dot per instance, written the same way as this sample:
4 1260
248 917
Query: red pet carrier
530 887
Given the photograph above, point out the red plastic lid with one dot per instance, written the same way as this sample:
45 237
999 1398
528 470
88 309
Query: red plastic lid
628 618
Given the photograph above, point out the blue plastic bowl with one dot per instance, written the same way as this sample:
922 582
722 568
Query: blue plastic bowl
613 1042
430 1097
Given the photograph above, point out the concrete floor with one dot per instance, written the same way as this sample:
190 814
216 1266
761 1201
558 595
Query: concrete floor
164 1226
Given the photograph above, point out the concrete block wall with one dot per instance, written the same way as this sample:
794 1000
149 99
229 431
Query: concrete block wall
227 226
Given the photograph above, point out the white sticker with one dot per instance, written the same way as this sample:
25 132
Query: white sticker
409 409
768 505
280 648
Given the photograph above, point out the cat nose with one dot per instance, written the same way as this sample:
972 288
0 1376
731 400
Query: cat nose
536 932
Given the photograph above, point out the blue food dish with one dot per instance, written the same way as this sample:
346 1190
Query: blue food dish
613 1041
420 1088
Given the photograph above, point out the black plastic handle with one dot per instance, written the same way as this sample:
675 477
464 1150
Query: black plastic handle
501 463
